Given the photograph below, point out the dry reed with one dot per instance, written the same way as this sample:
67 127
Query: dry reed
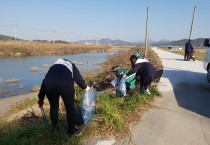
21 48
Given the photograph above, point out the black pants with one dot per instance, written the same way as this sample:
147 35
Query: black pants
67 94
186 55
143 88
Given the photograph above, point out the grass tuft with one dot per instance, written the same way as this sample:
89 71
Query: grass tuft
31 130
109 116
113 114
19 107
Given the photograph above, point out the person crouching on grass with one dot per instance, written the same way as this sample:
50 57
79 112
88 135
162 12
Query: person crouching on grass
145 72
59 81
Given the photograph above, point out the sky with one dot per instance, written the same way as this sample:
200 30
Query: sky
72 20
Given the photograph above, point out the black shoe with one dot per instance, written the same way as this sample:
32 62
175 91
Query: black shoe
77 132
142 91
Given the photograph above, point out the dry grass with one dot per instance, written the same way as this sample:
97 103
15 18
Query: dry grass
34 48
34 69
36 88
12 81
113 115
122 60
45 65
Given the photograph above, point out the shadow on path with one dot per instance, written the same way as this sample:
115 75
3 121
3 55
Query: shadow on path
175 59
191 90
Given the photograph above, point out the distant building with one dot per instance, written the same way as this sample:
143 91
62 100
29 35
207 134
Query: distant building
86 43
174 48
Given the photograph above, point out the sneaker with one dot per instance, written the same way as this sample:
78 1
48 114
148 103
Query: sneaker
77 132
148 92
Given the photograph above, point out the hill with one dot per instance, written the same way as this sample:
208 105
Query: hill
7 38
195 42
107 41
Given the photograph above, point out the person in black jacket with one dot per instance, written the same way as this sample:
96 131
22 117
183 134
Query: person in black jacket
145 72
188 49
59 81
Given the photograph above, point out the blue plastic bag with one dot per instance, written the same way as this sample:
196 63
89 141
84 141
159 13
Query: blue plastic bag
114 81
88 106
121 88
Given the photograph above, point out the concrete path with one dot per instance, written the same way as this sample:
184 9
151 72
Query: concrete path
183 117
182 114
6 103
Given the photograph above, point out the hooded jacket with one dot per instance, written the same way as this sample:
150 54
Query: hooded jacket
144 70
62 73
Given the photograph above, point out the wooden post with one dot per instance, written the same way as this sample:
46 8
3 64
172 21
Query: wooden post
146 37
192 23
14 29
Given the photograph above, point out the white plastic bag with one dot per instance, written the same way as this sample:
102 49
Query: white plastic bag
121 88
88 106
114 81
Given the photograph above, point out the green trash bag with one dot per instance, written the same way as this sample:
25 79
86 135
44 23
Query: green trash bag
130 81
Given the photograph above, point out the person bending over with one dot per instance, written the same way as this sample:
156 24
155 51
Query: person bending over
59 81
145 72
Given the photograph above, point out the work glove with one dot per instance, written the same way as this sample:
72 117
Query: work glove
87 89
40 103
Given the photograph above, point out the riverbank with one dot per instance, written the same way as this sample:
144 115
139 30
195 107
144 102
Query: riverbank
24 74
113 115
7 103
21 48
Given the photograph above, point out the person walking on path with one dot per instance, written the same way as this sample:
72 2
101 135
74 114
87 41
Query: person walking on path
59 81
188 49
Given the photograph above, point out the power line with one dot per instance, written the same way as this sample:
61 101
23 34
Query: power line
53 32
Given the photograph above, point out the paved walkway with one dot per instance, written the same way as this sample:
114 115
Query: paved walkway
183 117
182 114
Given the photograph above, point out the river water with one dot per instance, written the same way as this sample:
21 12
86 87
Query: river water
19 69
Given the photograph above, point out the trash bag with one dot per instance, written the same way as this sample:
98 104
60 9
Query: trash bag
88 106
121 91
114 81
130 81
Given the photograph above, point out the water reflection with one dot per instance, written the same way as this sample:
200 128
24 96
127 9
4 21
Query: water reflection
29 71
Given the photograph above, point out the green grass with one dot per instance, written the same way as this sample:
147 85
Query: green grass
111 110
19 107
35 133
112 115
108 112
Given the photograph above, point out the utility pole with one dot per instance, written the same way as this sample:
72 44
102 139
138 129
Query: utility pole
146 37
192 23
14 29
53 36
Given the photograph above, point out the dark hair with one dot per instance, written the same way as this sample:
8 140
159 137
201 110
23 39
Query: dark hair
133 59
